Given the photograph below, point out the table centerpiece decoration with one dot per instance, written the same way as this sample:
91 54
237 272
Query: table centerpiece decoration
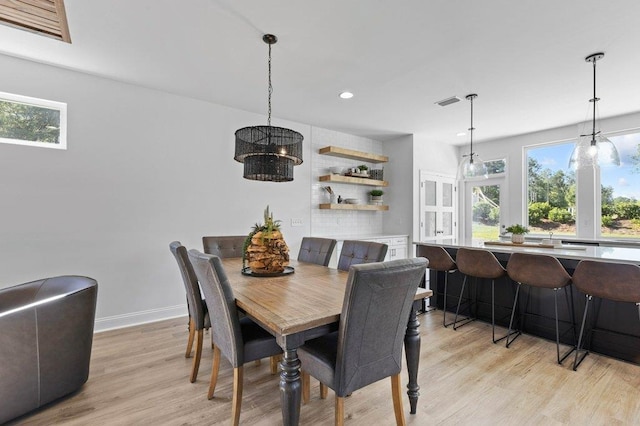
265 251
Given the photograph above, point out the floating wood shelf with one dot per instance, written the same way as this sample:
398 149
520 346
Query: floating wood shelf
353 207
336 151
354 180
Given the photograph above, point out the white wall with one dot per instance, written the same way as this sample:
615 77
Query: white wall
513 149
399 194
432 157
342 223
143 168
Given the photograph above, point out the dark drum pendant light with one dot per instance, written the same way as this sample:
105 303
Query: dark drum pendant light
472 165
593 149
268 153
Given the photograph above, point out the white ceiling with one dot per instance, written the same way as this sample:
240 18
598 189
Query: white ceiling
524 58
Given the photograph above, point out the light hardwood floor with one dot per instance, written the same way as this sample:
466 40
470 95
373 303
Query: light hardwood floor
139 376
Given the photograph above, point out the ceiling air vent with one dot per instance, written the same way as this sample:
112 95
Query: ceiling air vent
448 101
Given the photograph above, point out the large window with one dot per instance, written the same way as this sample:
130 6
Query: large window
551 202
621 190
551 189
31 121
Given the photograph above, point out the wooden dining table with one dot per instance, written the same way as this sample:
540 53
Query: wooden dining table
301 306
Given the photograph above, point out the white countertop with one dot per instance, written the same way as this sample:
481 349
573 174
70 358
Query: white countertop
577 252
365 237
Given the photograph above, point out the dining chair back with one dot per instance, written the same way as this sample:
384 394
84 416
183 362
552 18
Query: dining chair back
619 282
368 344
238 340
198 314
224 246
316 250
357 252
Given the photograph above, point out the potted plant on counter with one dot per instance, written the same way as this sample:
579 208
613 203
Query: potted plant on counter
376 196
517 233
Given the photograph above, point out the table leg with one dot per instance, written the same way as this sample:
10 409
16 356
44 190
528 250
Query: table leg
290 387
412 352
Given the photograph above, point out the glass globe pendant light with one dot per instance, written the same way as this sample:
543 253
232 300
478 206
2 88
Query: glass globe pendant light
593 149
472 165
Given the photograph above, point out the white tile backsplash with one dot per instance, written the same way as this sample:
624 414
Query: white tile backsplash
341 222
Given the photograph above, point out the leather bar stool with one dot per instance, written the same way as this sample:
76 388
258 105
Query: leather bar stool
440 261
619 282
541 271
478 263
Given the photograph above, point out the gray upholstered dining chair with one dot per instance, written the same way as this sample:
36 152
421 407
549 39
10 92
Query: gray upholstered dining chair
368 344
316 250
619 282
357 252
198 315
224 246
238 340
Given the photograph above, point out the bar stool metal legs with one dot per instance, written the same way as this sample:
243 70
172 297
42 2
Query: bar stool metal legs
544 272
604 280
469 318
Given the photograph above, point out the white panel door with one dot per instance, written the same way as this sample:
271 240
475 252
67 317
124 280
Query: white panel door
438 206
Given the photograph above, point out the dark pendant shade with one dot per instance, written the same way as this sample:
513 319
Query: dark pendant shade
268 153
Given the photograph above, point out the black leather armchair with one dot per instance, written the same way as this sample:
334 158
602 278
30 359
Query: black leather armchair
46 333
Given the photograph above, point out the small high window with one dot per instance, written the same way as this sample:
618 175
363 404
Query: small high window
33 122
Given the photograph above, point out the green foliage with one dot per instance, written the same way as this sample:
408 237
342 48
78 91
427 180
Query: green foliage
607 194
627 210
29 122
517 229
485 213
608 210
376 192
607 221
636 224
267 229
560 215
537 212
494 215
363 167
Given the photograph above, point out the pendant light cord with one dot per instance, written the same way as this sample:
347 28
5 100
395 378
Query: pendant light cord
594 100
271 90
471 133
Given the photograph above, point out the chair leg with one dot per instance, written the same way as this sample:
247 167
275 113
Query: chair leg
397 400
324 390
513 313
306 385
469 318
237 395
192 332
555 300
339 411
215 367
273 363
196 358
444 305
576 363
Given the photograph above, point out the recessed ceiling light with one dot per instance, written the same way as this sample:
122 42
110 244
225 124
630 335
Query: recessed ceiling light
461 134
346 95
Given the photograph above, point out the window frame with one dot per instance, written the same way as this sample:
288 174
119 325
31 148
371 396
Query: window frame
41 103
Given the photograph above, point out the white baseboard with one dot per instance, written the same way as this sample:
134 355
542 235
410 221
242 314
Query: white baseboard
141 317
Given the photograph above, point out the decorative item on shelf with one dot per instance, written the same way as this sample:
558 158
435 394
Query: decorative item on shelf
376 197
377 174
517 233
332 195
593 149
265 251
472 166
268 153
363 169
335 170
350 201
